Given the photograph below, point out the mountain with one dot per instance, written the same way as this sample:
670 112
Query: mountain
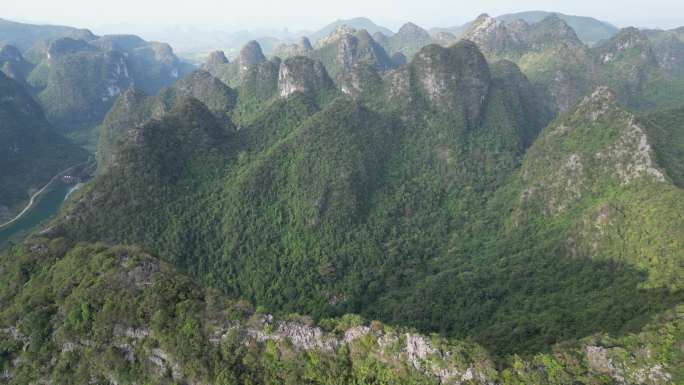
549 53
345 52
488 212
232 73
667 134
24 36
408 40
300 48
606 167
669 48
588 29
13 64
358 23
32 153
312 174
351 58
77 81
135 109
645 72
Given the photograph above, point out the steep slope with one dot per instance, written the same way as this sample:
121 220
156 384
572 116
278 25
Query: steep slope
24 36
88 313
317 211
606 173
437 202
135 108
588 29
666 131
77 81
32 153
643 77
548 52
300 48
408 40
13 64
346 51
645 73
233 73
358 23
668 47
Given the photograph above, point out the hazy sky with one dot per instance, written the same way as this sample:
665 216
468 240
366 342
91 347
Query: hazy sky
310 14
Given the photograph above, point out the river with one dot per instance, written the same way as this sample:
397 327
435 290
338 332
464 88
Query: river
44 208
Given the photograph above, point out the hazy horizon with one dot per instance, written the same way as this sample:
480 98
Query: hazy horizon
297 15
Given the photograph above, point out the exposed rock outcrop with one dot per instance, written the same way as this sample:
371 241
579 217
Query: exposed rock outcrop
453 79
301 74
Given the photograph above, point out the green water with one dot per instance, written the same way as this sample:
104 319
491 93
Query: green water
47 205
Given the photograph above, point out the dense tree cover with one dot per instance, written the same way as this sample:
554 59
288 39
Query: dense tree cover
645 68
666 130
76 76
406 205
87 313
432 199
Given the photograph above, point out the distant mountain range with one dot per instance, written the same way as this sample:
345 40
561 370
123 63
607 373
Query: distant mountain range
23 35
588 29
76 76
356 23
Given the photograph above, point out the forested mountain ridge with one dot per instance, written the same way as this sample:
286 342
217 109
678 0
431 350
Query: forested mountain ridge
24 36
492 194
75 313
552 56
76 76
315 203
589 30
78 80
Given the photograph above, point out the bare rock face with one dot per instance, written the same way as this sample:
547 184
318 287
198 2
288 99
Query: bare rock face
301 74
453 79
359 47
494 36
352 58
398 84
607 361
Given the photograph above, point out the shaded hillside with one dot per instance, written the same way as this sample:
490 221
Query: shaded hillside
32 153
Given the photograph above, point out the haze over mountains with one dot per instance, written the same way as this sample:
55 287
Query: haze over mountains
495 203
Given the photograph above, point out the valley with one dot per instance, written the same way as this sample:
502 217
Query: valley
493 203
